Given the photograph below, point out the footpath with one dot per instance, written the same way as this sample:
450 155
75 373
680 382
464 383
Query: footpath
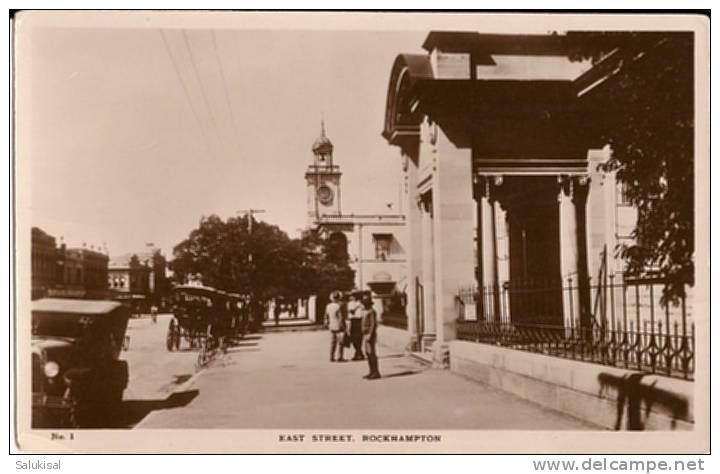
286 381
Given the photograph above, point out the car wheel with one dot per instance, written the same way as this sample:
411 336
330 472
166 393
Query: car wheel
71 421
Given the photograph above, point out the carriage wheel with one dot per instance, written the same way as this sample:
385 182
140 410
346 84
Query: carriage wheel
172 336
203 355
177 337
200 362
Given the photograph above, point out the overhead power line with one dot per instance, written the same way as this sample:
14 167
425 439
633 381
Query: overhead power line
185 89
202 88
225 86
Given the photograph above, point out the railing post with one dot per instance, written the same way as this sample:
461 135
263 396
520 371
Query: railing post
571 306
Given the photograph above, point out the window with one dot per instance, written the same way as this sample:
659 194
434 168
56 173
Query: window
382 246
622 194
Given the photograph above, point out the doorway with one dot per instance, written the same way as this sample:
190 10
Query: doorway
534 289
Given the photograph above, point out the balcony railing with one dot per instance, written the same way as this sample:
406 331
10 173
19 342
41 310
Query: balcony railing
621 324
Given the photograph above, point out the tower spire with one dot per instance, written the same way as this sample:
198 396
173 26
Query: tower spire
323 147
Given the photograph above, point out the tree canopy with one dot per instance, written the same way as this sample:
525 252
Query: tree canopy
648 120
264 263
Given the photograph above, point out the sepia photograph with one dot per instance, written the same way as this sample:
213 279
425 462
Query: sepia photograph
361 232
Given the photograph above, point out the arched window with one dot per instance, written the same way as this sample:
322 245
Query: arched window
337 248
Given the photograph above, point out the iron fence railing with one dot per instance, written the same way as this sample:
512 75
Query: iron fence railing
618 322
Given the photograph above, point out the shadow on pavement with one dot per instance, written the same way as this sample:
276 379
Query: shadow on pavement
133 411
178 379
401 374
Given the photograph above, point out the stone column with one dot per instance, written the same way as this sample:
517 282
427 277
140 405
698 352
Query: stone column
487 247
361 257
428 271
453 209
569 253
413 240
502 255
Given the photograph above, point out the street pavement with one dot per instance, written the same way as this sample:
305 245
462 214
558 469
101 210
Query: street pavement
155 373
286 381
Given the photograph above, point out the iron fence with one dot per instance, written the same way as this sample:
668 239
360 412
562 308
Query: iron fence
617 322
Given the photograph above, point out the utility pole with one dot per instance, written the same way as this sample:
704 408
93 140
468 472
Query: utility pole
249 213
256 318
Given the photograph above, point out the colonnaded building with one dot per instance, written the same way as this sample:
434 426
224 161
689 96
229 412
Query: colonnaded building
509 216
513 226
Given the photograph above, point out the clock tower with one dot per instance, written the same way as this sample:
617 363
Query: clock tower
323 181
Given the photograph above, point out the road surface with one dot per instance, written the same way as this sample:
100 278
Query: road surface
154 371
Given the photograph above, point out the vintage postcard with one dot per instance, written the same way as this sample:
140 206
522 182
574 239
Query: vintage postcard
358 232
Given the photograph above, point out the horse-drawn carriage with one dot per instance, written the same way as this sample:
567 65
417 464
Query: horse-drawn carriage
193 309
204 317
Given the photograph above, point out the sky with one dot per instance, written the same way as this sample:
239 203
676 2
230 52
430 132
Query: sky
138 133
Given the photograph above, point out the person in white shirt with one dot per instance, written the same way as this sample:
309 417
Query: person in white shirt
335 321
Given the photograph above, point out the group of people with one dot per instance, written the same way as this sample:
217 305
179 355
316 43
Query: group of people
351 318
288 309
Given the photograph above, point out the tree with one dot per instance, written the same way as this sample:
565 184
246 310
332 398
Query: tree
265 263
647 118
326 267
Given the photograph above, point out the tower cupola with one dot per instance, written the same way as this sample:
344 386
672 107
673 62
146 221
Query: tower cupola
323 148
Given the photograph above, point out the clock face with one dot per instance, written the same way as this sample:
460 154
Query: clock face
325 194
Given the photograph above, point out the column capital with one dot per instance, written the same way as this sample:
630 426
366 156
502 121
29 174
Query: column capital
573 186
487 185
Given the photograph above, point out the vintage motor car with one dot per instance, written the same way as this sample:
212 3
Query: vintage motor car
78 379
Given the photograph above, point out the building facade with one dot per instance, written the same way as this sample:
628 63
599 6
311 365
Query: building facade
44 262
81 273
139 277
58 271
375 243
502 182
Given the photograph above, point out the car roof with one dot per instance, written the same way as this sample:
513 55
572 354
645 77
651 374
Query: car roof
62 305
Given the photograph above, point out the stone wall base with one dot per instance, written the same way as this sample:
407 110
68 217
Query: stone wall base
605 396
